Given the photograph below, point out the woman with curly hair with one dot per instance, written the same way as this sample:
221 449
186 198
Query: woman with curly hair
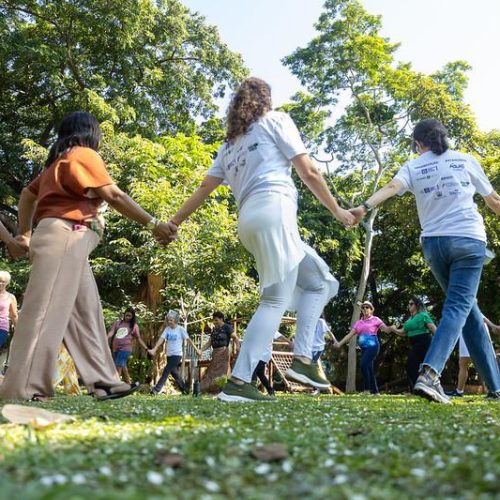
255 160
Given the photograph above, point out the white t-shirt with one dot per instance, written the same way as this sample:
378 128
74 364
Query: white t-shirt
444 186
259 160
174 338
319 335
266 357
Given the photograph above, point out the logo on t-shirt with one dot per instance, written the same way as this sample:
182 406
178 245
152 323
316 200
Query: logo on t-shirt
171 336
121 333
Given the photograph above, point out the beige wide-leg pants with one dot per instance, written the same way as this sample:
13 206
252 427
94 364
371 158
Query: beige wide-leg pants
61 303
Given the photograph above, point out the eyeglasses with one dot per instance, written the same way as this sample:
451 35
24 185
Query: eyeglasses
365 307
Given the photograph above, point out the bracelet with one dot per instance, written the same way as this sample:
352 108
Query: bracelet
152 224
366 206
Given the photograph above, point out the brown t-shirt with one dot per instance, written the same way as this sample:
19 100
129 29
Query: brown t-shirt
64 188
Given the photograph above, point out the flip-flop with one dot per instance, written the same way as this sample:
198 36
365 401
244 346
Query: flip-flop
114 395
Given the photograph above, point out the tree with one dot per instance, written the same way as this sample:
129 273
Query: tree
150 67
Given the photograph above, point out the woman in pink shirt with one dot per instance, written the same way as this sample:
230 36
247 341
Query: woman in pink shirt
8 308
367 330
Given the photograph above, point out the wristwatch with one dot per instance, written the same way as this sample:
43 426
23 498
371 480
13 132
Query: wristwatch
367 207
152 224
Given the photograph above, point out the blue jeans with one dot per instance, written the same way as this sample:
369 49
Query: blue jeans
368 355
456 263
4 335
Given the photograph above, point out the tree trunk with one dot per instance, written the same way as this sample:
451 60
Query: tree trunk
360 293
152 298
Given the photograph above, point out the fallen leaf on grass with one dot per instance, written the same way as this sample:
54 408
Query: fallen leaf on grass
356 432
270 452
173 460
38 418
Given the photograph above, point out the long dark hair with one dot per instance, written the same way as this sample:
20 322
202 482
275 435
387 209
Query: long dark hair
130 310
419 303
251 101
76 129
433 134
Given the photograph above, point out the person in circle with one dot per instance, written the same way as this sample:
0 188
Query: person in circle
14 248
220 338
256 160
61 301
453 239
123 332
174 335
8 308
367 328
419 329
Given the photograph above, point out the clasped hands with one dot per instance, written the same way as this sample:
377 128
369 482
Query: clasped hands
352 217
18 246
165 232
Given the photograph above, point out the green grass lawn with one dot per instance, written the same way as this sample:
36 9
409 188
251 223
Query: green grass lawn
338 447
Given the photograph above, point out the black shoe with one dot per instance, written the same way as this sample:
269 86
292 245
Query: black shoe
493 395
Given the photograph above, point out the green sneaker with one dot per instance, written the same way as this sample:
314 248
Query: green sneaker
244 393
307 374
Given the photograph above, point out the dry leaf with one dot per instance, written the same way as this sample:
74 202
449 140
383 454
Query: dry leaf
173 460
270 452
38 418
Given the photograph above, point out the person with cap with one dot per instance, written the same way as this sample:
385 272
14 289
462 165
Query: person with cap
367 328
174 335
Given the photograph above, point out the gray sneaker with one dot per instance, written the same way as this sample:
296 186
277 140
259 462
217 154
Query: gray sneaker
307 374
430 388
244 393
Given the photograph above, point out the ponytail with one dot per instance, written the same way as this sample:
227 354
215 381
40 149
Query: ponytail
433 134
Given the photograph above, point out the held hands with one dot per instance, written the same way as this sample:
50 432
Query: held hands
165 232
346 217
18 246
358 213
151 352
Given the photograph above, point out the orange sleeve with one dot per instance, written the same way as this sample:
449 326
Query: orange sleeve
34 185
86 171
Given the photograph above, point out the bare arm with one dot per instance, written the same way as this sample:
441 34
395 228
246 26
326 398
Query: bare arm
383 194
13 310
313 179
124 204
209 184
386 329
398 331
236 341
157 345
112 331
16 248
141 342
26 211
189 341
346 338
207 345
431 327
491 325
493 202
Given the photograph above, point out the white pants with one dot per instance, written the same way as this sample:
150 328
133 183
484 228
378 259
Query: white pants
275 299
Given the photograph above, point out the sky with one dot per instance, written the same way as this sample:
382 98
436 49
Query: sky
431 33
